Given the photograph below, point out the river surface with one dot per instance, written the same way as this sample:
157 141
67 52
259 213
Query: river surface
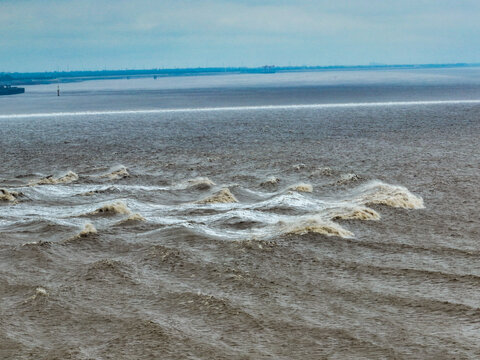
314 215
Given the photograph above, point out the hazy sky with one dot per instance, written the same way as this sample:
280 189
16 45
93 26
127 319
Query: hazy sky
38 35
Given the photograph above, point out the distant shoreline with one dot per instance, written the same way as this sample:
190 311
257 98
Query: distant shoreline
35 78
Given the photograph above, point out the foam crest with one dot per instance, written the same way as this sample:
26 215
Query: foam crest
224 196
240 216
116 173
69 177
87 230
100 190
40 292
346 179
302 187
322 171
390 195
133 218
270 182
10 196
289 200
198 183
315 224
355 213
118 207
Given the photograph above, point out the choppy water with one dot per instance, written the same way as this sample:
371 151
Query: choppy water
264 225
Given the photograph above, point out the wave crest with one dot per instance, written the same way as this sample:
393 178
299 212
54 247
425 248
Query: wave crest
199 183
10 196
220 197
392 195
118 207
270 182
69 177
357 213
87 230
133 218
314 225
302 187
116 173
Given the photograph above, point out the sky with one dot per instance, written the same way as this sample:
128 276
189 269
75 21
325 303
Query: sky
59 35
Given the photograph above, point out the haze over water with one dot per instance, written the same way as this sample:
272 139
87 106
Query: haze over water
292 215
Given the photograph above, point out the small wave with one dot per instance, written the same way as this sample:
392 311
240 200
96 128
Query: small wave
106 264
302 226
271 182
10 196
40 243
254 244
220 197
109 270
357 213
291 201
104 190
165 255
87 230
299 167
69 177
391 195
348 178
116 173
323 171
199 183
302 187
118 207
133 218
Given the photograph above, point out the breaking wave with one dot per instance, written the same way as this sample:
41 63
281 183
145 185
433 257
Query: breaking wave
133 218
302 187
116 173
260 214
396 196
115 208
223 196
69 177
318 225
357 213
271 182
87 230
199 183
103 190
10 196
346 179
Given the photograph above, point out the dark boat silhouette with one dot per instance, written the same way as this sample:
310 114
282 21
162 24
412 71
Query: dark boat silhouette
11 90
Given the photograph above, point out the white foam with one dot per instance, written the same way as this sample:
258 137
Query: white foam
242 108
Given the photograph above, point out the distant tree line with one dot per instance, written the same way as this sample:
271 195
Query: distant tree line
6 77
69 76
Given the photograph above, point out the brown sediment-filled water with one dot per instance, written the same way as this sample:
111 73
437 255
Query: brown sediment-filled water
177 221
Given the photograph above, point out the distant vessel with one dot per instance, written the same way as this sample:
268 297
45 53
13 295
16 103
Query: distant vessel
11 90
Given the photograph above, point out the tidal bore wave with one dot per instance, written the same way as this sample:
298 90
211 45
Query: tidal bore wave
244 108
237 214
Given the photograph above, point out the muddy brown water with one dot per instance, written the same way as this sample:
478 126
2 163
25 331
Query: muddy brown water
285 232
